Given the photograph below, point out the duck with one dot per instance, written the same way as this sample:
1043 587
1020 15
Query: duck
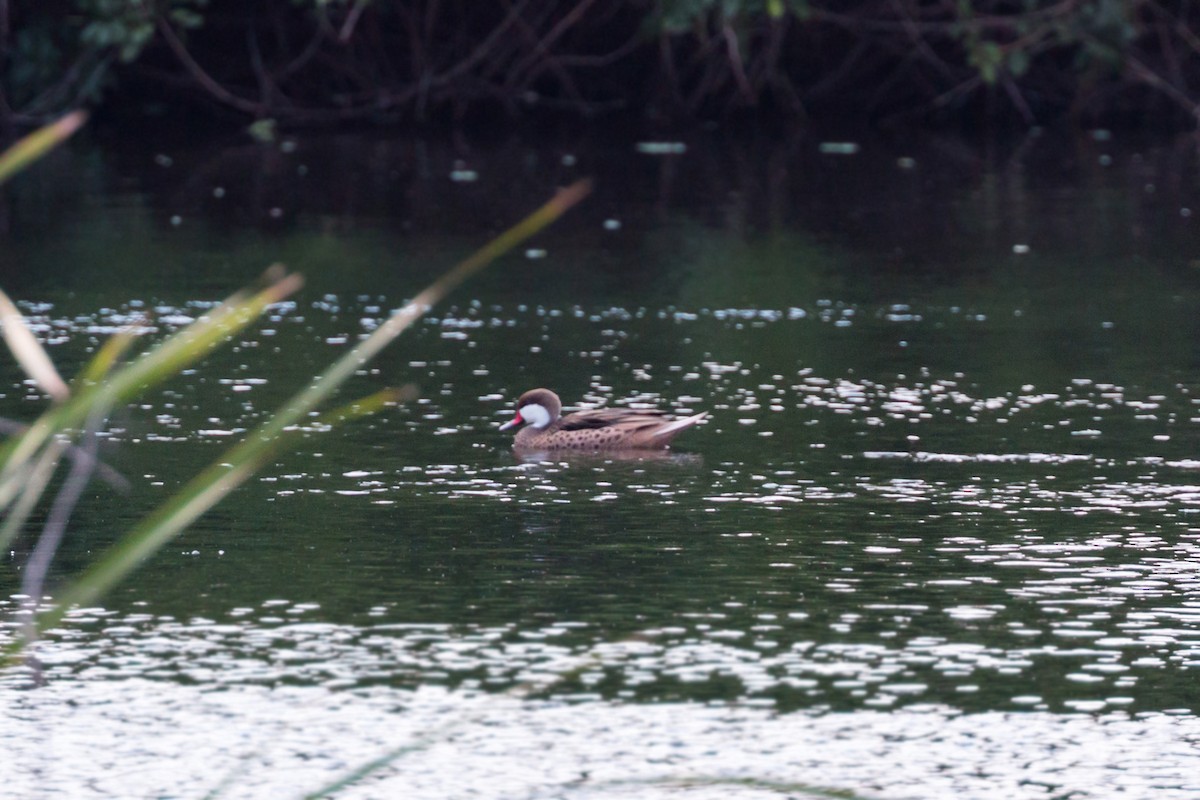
540 411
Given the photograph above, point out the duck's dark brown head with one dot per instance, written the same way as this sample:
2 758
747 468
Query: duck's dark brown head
537 407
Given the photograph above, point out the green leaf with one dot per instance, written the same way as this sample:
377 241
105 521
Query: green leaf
987 57
186 18
1018 61
677 16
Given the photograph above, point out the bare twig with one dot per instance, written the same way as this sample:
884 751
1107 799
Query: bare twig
1153 79
541 47
547 62
735 62
484 47
201 77
347 30
310 49
1014 93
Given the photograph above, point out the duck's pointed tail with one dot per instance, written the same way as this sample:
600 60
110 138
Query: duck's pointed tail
667 432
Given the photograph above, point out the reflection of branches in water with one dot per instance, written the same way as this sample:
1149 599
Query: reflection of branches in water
83 465
601 457
75 453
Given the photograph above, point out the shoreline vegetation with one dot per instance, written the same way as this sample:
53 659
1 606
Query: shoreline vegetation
339 62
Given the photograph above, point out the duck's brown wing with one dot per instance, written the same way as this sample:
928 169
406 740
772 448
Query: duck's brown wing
627 418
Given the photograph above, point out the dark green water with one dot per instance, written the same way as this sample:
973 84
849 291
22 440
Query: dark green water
952 460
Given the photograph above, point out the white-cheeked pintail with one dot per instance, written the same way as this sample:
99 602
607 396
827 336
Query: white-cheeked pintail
540 411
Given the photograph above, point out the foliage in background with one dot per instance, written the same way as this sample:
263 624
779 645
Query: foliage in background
124 27
327 61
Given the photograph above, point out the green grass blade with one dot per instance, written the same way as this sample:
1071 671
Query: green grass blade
368 348
374 765
790 789
13 472
368 405
109 354
154 366
260 446
38 143
197 496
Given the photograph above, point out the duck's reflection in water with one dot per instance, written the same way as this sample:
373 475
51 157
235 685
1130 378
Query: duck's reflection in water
601 457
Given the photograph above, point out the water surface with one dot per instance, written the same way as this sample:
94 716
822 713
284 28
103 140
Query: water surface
942 514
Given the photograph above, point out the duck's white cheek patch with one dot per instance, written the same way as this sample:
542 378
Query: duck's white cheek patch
535 415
